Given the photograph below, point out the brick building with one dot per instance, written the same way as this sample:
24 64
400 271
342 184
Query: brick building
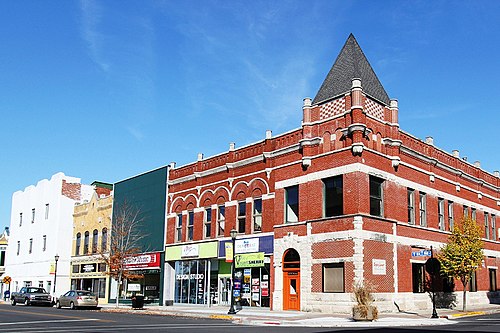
346 197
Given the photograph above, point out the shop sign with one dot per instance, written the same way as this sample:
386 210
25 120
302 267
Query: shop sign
151 288
378 267
247 245
255 297
190 250
134 287
264 286
189 276
249 260
88 268
148 260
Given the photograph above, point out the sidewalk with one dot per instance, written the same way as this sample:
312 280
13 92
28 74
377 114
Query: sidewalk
264 317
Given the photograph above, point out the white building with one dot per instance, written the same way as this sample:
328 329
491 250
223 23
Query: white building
41 227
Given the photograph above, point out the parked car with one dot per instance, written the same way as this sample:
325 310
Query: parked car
77 299
31 295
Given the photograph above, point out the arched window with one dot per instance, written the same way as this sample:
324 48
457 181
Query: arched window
291 259
104 239
78 243
86 243
95 237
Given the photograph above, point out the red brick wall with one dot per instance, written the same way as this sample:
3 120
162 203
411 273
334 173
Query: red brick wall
379 250
71 190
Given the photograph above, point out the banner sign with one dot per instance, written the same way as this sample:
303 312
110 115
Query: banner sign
148 260
229 251
379 267
249 260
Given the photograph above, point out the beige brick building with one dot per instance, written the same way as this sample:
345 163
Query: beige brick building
91 232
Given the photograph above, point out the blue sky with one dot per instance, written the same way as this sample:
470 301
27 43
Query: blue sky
104 90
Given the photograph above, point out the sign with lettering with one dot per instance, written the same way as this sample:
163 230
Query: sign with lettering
190 250
88 268
249 260
379 267
147 260
229 251
247 245
421 253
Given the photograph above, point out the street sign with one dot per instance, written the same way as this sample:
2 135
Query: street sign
421 253
7 279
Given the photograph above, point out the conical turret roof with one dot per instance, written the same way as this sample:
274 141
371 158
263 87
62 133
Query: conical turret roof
351 64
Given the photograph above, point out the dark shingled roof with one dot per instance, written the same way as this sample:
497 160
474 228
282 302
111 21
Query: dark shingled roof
351 64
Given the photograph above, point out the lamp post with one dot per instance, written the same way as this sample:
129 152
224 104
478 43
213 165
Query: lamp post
56 258
233 238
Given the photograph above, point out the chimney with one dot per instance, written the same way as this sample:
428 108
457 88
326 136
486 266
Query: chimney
456 153
394 110
306 110
200 156
231 146
269 134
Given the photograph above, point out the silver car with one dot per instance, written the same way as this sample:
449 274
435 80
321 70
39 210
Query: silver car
77 299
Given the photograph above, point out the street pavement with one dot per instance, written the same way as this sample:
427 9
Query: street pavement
265 317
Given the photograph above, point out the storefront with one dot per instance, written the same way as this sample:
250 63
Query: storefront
90 275
147 268
252 277
195 269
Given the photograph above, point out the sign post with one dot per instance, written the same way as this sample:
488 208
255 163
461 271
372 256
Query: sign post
432 266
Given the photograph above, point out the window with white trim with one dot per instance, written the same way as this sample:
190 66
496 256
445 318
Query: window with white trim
376 196
242 217
46 211
257 215
221 220
207 221
423 209
441 213
410 194
450 216
486 226
292 204
178 228
190 226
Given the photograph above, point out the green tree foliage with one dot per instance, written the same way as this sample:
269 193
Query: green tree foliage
463 254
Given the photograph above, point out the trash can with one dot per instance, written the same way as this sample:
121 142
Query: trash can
137 302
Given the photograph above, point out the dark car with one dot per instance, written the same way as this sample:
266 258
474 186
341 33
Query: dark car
77 299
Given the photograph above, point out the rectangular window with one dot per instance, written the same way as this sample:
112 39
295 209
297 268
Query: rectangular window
33 215
46 211
75 268
376 196
466 211
40 284
493 279
422 207
333 278
292 204
418 277
178 227
18 247
101 267
473 215
486 226
441 213
31 246
44 243
450 215
208 222
410 193
242 216
20 219
190 226
473 282
493 227
333 196
257 215
221 220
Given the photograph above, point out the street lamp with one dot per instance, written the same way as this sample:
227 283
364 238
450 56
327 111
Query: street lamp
233 238
56 258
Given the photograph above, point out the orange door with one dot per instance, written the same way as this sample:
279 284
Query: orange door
291 290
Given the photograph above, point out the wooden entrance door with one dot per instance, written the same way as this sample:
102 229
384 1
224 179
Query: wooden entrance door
291 280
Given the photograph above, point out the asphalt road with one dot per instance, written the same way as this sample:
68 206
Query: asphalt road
27 319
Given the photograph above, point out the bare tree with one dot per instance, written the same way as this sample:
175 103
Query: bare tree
126 234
